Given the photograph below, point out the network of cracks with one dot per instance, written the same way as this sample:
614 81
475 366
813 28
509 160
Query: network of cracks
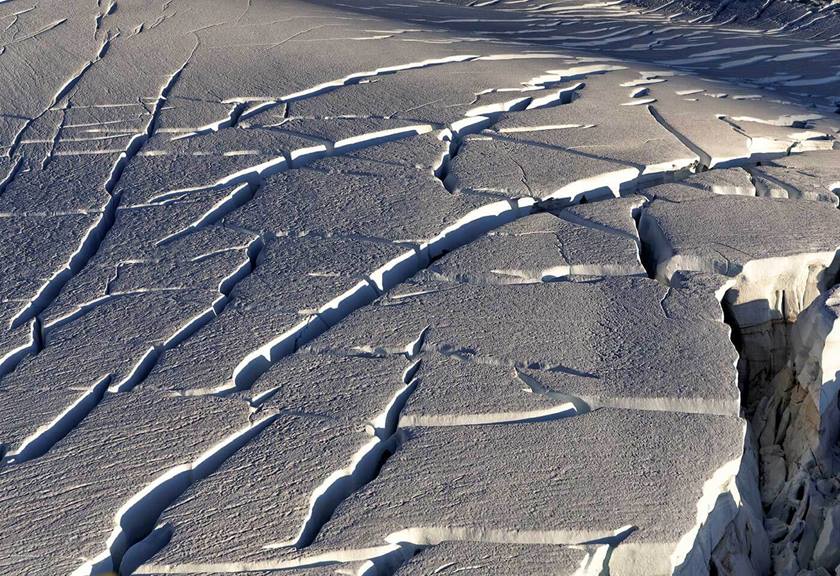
448 302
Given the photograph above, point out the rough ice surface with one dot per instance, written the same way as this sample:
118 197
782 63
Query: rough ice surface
430 287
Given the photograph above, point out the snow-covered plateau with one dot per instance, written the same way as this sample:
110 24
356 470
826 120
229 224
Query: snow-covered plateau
418 287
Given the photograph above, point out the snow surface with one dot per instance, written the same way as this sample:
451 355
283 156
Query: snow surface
417 287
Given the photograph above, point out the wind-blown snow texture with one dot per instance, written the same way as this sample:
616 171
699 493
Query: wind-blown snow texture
500 287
